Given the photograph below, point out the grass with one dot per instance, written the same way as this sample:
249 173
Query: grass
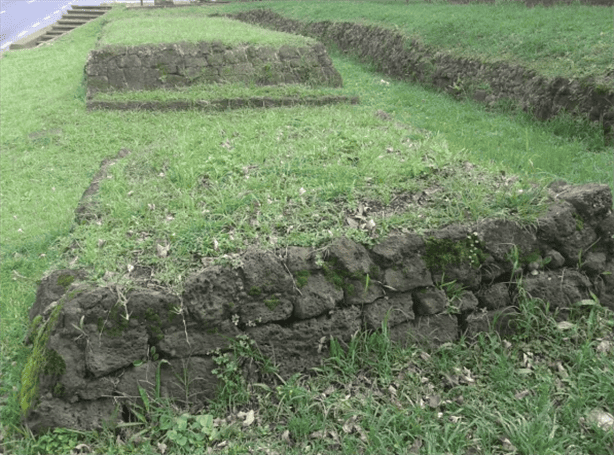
573 41
208 180
150 27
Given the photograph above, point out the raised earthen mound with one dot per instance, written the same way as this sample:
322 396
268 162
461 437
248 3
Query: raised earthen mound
167 66
94 346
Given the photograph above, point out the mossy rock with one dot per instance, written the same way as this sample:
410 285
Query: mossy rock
42 361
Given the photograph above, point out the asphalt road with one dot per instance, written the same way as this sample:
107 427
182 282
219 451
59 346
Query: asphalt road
20 18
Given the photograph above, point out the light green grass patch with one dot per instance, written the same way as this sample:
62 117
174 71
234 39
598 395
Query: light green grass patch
134 31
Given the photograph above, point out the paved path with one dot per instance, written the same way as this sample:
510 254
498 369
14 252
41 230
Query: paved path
20 18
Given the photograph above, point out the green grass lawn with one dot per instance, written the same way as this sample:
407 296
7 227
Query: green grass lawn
209 184
154 28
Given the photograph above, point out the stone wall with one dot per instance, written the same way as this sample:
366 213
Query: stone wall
488 83
93 345
142 67
221 104
531 3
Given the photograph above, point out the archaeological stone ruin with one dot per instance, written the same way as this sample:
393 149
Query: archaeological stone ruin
93 345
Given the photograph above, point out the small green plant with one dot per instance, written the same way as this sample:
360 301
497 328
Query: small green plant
188 430
59 440
579 222
453 291
233 388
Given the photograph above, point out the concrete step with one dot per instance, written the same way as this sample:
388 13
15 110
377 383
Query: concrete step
75 23
91 8
64 27
77 15
71 19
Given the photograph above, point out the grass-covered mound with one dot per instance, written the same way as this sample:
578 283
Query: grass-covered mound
134 28
538 394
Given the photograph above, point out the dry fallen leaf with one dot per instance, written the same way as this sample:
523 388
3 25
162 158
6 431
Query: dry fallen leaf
600 418
565 325
522 394
507 445
285 436
605 346
247 416
162 251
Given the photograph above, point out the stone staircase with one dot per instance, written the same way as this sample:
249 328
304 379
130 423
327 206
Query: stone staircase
72 19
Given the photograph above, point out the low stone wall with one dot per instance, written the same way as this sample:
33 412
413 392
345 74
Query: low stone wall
94 346
221 104
531 3
146 67
488 83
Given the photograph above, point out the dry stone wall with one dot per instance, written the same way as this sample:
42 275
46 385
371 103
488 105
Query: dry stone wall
148 67
488 83
531 3
222 104
93 345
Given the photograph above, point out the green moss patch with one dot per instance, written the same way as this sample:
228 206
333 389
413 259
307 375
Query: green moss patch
41 361
272 303
443 252
65 280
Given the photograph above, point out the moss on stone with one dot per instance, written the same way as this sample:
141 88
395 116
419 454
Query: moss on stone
116 323
54 364
533 256
255 291
443 252
65 279
337 276
272 303
332 275
153 324
58 390
34 326
579 222
40 361
375 272
302 278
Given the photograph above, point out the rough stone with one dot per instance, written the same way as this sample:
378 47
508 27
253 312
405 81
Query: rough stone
560 289
426 331
397 307
495 297
466 302
502 321
594 263
430 301
318 297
